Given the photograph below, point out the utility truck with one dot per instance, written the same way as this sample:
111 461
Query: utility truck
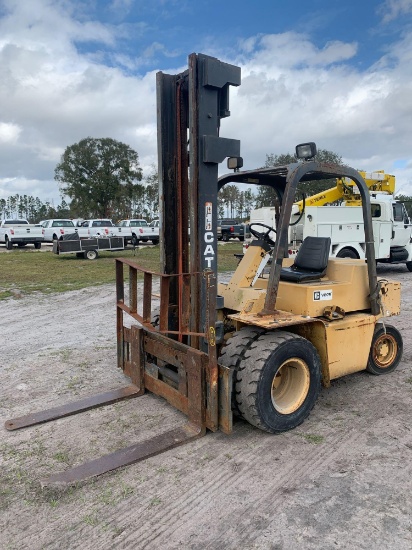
343 223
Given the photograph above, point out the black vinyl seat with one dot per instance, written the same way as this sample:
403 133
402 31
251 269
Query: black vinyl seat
310 263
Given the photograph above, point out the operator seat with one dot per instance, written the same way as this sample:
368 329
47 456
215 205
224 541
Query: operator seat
310 263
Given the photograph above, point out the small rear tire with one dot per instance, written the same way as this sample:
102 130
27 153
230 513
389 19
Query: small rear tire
91 254
9 244
386 350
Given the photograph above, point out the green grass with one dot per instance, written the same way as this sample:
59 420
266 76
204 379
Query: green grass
313 438
26 271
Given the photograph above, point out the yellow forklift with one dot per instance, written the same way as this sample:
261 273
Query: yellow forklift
259 346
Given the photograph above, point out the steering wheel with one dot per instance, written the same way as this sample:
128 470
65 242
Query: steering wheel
264 235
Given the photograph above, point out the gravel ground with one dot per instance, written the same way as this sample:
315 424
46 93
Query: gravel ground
341 480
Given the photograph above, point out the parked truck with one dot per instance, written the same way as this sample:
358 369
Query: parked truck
54 230
139 230
20 232
230 229
87 229
344 223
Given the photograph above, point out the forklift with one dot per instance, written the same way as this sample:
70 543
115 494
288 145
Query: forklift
260 345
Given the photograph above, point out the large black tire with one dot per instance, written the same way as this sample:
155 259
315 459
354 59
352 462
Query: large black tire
234 352
37 246
386 350
409 266
348 253
9 244
278 381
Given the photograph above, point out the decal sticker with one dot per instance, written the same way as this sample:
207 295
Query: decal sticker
319 295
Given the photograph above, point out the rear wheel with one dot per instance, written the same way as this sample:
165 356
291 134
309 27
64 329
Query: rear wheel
348 253
37 246
9 245
278 381
386 350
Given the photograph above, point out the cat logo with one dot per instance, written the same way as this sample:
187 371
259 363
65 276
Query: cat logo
319 295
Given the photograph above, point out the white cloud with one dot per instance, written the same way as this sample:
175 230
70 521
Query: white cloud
52 95
292 92
392 9
9 132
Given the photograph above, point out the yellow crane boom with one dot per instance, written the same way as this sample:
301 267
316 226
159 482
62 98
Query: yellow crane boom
347 191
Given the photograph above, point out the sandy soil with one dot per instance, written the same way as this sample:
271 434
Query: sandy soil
341 480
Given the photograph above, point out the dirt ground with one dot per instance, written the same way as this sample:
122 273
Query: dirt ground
343 479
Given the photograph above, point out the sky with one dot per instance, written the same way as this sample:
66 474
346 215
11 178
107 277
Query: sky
336 73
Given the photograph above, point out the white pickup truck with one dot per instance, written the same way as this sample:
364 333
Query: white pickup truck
20 232
102 228
54 230
140 230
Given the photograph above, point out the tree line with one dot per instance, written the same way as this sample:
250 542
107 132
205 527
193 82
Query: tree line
102 178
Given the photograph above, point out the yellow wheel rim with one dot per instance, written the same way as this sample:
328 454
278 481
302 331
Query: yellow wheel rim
385 350
290 385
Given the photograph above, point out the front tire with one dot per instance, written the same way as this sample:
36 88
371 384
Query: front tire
278 381
386 350
234 352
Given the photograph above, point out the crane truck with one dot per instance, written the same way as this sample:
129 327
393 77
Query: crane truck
316 216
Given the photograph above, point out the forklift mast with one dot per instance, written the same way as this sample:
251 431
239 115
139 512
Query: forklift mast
190 107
